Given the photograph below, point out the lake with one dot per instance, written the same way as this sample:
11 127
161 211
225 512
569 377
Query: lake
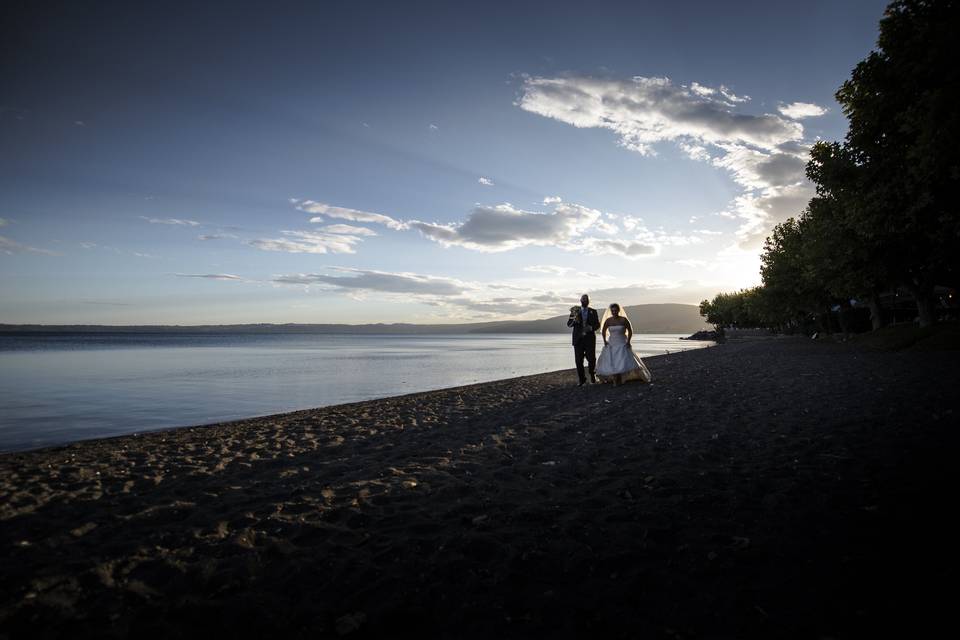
66 387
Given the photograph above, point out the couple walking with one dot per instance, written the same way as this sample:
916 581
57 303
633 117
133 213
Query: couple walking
618 363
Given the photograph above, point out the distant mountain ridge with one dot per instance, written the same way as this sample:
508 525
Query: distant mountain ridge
646 318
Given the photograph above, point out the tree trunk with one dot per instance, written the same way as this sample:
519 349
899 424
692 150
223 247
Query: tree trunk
842 318
925 307
876 311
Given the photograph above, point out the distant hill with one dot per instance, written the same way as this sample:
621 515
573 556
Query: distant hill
646 318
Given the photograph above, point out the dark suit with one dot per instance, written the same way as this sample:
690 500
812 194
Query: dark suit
585 341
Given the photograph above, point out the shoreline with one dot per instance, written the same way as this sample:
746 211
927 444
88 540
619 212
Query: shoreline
765 488
259 416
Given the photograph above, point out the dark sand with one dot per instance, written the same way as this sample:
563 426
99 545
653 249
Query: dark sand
773 488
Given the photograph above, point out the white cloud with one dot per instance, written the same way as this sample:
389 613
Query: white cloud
765 154
504 227
433 127
798 110
215 236
691 263
756 169
606 227
624 248
307 242
348 229
646 111
10 247
174 221
487 182
708 232
343 213
379 281
552 200
550 269
211 276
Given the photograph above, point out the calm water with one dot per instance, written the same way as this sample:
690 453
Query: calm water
61 388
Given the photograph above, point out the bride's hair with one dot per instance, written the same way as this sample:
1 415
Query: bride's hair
608 314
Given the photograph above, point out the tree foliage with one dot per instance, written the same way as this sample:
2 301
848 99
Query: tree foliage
885 214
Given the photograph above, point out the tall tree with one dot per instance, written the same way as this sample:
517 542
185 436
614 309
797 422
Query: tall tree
901 102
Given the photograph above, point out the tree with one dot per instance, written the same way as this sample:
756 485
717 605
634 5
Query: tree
901 104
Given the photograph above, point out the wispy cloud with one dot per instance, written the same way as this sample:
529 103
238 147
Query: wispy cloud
211 276
307 242
11 247
215 236
798 110
174 221
646 111
504 227
378 281
487 182
691 263
765 154
348 229
552 200
624 248
343 213
550 269
106 303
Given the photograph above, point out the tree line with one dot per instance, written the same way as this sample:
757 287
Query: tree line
884 217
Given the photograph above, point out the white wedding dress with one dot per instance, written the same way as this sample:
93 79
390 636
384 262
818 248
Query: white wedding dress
617 357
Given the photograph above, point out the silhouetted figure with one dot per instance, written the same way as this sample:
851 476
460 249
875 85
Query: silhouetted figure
585 323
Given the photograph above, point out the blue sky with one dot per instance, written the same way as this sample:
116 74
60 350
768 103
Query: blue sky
415 162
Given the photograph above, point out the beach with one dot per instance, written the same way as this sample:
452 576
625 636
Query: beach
767 487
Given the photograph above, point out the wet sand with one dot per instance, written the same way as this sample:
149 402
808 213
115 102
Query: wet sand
775 488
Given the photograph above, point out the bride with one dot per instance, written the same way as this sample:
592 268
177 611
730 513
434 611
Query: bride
617 361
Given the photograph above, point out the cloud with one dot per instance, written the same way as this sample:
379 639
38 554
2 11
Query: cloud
215 236
691 263
646 111
798 110
211 276
552 200
487 182
504 227
708 232
106 303
348 229
307 242
759 169
549 269
623 248
343 213
10 247
174 221
433 127
379 281
765 154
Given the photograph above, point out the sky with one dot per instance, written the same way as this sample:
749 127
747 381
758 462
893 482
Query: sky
427 162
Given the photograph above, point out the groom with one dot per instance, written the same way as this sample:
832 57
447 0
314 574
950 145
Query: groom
584 322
